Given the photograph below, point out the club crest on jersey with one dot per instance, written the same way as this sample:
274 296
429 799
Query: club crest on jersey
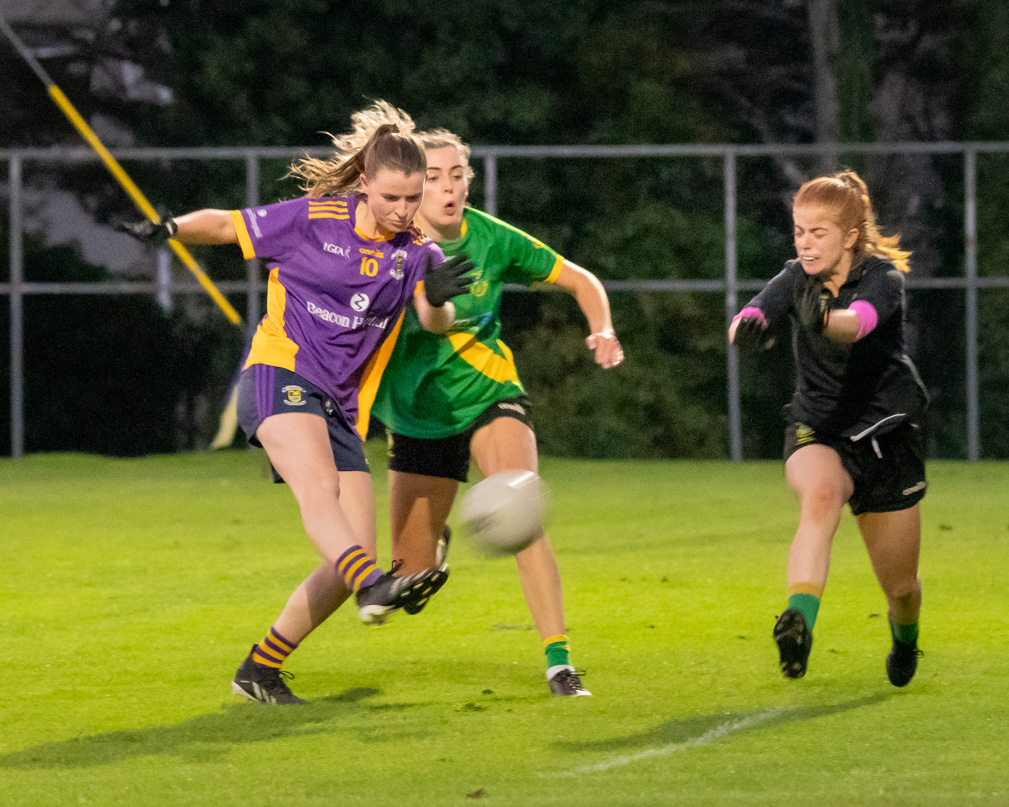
479 286
397 270
295 395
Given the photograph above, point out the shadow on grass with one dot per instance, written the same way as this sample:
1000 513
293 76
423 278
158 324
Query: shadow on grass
202 739
702 729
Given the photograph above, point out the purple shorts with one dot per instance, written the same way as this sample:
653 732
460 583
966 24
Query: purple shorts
264 390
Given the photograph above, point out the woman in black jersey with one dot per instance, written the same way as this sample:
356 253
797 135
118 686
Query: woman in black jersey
853 433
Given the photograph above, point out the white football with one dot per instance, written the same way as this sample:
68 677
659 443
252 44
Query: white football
505 512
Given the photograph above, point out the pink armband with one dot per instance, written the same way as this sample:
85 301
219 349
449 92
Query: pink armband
751 311
867 317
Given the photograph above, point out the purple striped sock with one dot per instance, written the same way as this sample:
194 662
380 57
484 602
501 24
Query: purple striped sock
357 569
273 650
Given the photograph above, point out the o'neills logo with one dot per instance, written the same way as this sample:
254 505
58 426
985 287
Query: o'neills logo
345 321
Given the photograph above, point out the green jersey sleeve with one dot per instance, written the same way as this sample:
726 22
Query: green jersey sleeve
529 260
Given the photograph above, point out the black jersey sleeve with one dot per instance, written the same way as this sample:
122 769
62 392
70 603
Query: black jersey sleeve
882 286
775 299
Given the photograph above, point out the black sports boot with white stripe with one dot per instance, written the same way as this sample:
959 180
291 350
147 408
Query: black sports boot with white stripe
377 602
794 641
258 682
566 681
441 551
438 579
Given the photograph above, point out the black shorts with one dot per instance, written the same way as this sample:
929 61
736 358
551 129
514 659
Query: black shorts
264 390
888 470
448 457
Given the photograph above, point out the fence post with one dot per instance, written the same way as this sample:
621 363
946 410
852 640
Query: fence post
732 305
490 184
17 311
252 267
970 239
164 279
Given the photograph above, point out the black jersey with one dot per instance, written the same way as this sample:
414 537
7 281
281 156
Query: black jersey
858 389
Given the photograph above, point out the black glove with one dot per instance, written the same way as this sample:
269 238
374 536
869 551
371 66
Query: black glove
751 334
443 281
151 232
811 306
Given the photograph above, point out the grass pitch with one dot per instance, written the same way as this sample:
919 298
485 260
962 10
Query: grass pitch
133 588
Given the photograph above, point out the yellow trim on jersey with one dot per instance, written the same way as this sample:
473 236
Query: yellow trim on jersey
480 357
372 376
463 229
328 203
343 216
552 277
377 238
271 344
248 251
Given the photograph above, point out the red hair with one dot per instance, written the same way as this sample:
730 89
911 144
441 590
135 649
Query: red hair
846 197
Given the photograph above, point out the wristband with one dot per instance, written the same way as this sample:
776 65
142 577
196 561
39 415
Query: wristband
751 311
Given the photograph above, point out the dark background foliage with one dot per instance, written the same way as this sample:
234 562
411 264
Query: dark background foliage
118 375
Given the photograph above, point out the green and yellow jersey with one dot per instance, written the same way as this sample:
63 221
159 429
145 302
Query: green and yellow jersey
435 385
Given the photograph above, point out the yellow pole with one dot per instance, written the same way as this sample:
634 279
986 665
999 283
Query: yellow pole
117 170
141 201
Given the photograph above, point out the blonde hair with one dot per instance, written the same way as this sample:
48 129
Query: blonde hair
381 136
845 194
443 138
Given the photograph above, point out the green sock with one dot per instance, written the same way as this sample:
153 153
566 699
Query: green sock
557 651
907 634
807 604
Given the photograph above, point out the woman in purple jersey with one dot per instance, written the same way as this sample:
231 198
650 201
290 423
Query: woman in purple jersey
344 262
853 431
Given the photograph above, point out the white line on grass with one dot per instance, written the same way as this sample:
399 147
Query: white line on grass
710 736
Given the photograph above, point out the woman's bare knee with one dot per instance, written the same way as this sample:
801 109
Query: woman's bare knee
821 502
903 590
323 486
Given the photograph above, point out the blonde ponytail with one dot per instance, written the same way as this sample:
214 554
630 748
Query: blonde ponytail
381 136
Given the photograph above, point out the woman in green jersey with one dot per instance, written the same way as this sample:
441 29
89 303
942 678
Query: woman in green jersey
446 398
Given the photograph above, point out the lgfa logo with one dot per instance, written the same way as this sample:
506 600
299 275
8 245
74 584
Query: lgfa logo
333 249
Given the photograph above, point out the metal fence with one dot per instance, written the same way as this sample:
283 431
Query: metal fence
730 286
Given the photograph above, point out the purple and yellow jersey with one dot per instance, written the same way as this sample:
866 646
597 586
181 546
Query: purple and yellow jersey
335 298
